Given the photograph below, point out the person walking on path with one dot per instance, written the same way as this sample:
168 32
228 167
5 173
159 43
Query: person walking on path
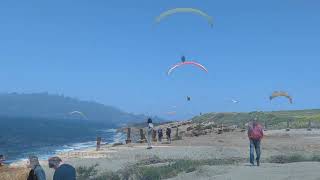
255 134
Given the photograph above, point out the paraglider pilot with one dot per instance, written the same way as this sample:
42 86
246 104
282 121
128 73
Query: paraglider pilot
183 59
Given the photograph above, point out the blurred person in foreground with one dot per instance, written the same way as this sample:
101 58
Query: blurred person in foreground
36 172
62 171
2 159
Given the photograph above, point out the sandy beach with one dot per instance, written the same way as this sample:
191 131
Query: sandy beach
228 145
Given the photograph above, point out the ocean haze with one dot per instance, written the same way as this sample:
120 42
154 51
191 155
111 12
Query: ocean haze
42 124
59 107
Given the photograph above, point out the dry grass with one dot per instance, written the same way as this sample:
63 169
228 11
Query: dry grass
10 173
144 170
292 158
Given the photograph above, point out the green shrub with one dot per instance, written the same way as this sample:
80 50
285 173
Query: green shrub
174 168
144 170
315 157
109 175
283 159
85 173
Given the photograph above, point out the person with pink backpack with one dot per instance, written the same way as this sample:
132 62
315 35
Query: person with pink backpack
255 134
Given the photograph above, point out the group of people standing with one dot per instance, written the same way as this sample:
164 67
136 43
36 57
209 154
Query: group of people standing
63 171
168 134
150 130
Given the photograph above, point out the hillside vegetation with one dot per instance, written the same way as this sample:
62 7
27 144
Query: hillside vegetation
273 120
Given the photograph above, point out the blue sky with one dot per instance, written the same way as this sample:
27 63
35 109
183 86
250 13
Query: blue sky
112 52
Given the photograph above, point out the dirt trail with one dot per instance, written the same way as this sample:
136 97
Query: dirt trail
292 171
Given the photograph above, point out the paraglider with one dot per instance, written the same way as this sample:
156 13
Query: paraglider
79 113
234 101
276 94
187 63
184 10
188 98
183 59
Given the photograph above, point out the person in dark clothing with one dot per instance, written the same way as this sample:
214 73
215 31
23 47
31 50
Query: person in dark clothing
32 175
36 172
2 159
183 59
160 135
168 133
62 171
99 139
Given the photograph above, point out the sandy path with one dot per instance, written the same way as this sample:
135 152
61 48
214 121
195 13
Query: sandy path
292 171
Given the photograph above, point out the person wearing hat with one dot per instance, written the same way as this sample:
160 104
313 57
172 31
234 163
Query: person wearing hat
62 171
36 172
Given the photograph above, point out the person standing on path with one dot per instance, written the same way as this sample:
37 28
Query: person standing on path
255 134
160 135
149 133
168 133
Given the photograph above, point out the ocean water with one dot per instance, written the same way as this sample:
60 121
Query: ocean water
18 153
